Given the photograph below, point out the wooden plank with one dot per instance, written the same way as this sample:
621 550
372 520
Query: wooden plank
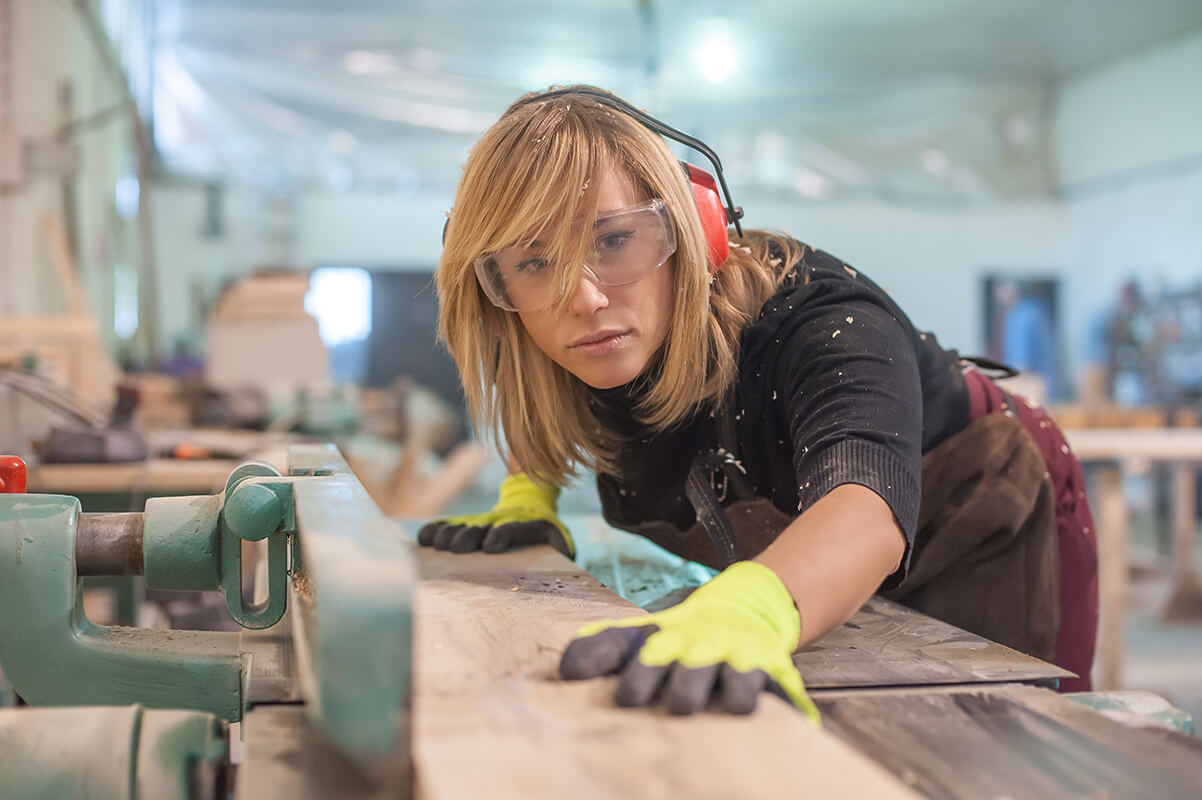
166 476
1185 599
273 355
492 718
1160 444
1110 507
69 346
884 644
286 757
1116 451
1014 742
887 644
55 234
1093 415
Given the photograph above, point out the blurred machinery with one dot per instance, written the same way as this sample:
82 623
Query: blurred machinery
48 419
1151 348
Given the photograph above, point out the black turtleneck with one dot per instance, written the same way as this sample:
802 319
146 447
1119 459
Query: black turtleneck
835 386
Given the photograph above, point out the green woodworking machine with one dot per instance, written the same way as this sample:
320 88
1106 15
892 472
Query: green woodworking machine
120 712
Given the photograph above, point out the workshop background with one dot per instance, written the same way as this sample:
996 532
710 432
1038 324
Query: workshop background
218 223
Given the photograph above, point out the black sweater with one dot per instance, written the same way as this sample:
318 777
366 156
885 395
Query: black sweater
835 386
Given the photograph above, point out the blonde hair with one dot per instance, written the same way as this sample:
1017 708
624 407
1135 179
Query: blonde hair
538 166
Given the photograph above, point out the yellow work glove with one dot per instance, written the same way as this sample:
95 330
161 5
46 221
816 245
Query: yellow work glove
731 639
524 514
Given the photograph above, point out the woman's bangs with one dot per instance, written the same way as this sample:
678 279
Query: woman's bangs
550 204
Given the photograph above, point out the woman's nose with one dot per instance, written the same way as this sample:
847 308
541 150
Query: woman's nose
588 296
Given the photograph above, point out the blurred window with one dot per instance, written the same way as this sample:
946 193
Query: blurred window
340 299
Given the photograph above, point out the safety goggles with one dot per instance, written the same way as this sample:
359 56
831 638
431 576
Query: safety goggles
627 244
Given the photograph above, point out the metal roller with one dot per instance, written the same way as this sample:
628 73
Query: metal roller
109 544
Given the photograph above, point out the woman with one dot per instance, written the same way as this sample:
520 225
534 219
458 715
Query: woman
764 409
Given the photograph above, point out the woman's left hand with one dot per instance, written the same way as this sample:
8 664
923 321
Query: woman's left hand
524 515
731 639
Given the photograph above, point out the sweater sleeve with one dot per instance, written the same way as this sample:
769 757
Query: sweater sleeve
848 382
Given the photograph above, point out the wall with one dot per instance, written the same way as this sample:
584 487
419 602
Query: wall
194 261
931 261
908 251
1129 160
1129 140
371 230
49 45
1140 111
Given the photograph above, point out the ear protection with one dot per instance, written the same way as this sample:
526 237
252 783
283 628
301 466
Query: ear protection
714 215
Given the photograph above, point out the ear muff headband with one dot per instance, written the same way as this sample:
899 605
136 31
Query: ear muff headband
732 212
714 215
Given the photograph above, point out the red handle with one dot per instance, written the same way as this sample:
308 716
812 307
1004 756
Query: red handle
12 475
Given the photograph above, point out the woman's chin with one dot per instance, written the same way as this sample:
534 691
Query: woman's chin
606 382
608 376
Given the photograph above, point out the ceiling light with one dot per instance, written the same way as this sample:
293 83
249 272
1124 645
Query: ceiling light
935 162
716 53
369 62
340 177
343 142
127 195
809 183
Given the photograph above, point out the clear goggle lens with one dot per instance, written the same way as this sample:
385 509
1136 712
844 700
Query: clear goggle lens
627 244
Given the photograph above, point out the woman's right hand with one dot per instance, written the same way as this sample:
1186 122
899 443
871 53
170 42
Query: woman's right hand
524 515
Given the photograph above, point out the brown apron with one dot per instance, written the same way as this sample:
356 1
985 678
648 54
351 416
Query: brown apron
985 554
986 557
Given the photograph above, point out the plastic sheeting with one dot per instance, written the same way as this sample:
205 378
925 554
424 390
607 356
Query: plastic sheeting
946 103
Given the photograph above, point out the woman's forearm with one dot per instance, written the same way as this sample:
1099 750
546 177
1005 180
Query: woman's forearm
834 556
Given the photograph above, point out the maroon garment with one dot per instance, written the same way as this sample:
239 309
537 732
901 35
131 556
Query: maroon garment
1074 528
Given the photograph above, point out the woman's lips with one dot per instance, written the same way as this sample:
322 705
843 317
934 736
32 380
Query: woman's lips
601 344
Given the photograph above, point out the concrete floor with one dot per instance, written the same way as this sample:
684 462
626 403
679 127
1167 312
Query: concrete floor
1160 657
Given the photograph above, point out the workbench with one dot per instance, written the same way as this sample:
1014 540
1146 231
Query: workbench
154 476
160 477
909 703
1112 453
375 668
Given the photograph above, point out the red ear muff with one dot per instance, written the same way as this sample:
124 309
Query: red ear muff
712 214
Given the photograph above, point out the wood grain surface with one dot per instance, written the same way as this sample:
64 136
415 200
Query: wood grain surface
887 644
287 757
1011 741
492 718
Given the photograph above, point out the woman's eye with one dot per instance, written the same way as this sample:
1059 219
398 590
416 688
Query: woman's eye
613 241
532 265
